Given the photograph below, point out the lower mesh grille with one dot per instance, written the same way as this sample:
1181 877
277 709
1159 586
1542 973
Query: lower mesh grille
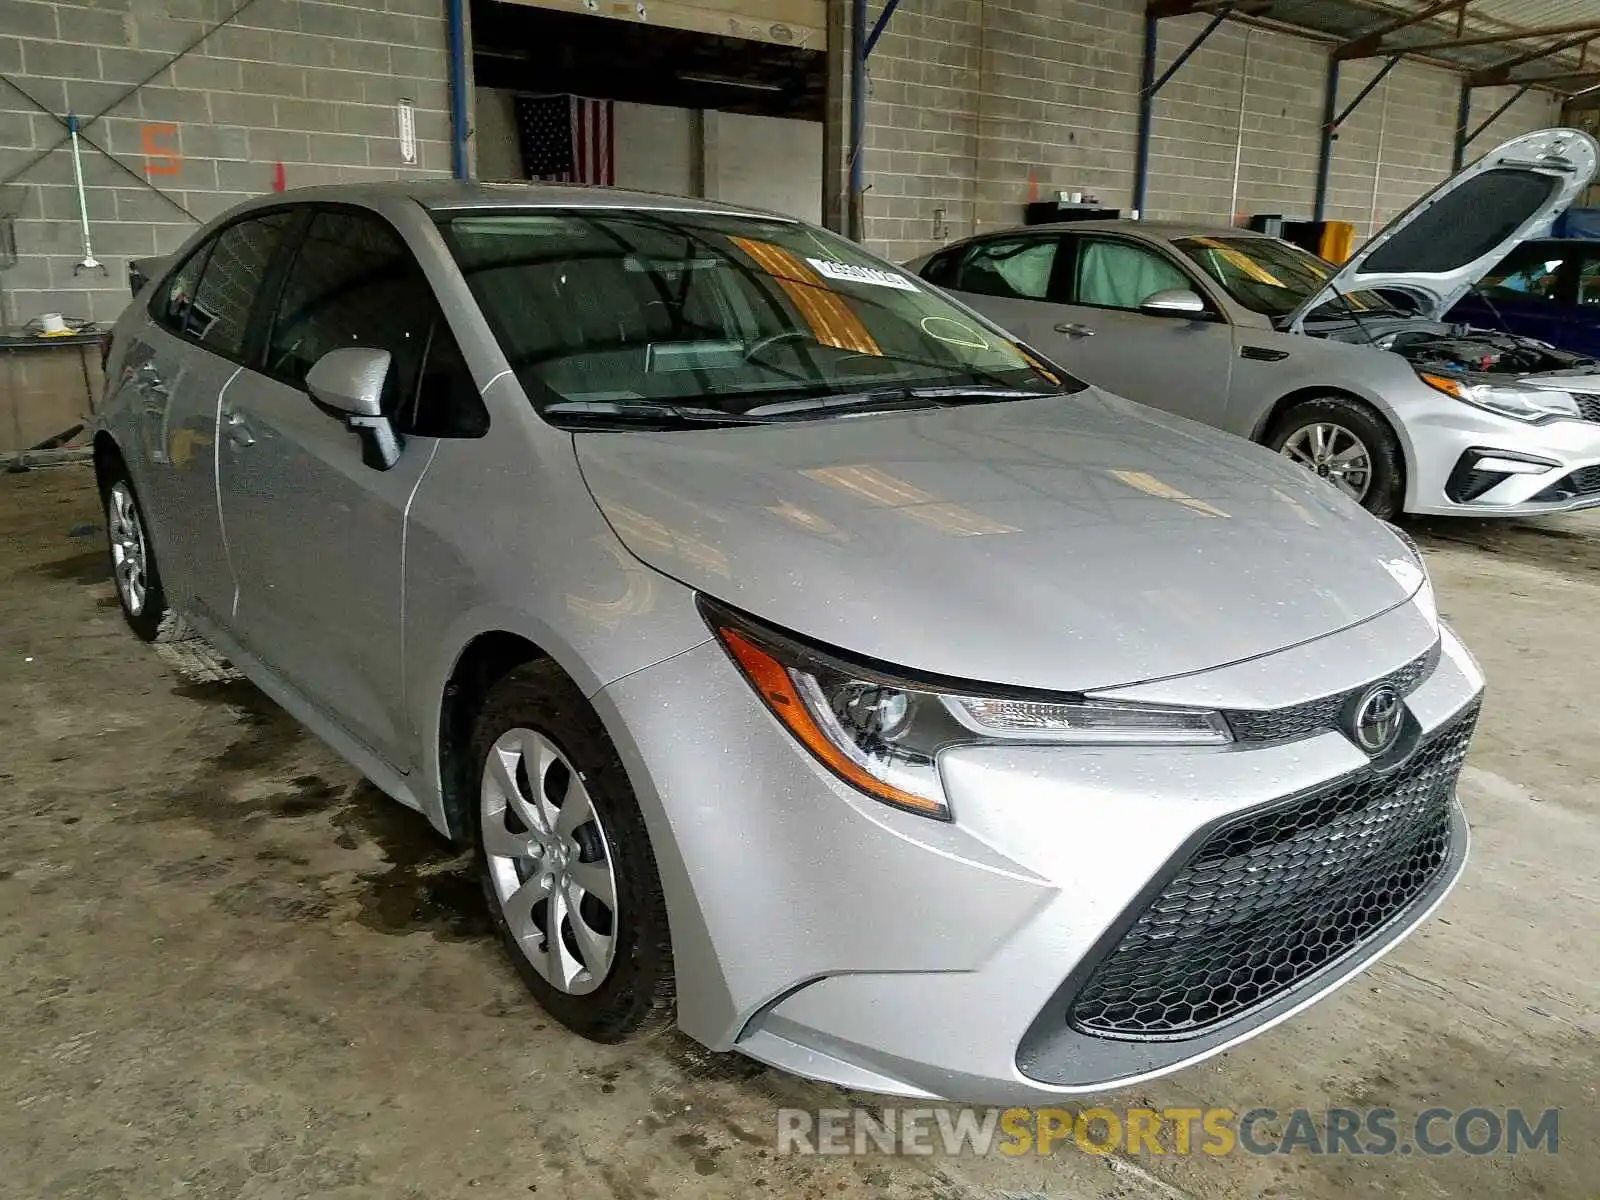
1274 897
1583 482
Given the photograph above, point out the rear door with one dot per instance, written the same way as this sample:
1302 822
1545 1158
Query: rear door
1178 363
178 368
317 534
1008 279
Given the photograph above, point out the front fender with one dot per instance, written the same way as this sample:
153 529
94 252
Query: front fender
1317 366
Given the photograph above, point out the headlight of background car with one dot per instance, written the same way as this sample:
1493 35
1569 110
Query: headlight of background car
883 735
1523 403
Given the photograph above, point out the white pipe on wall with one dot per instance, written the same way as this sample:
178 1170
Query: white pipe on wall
1377 164
1238 141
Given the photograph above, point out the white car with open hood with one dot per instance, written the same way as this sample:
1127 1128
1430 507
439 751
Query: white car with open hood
1350 371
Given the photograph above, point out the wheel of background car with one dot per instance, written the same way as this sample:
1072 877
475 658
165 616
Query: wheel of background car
133 566
565 860
1346 442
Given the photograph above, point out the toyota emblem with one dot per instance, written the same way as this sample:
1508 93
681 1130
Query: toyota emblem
1377 719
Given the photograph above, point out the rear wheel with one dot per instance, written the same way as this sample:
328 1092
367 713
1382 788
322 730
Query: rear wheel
566 861
1347 443
133 566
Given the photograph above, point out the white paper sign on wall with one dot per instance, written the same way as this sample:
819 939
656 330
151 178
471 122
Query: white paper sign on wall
408 131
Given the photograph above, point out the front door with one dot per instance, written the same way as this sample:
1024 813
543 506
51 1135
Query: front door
1177 363
317 535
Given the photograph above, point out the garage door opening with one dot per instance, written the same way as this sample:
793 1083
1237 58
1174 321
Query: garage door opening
633 102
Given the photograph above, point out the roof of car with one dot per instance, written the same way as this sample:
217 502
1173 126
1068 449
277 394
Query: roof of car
1167 230
454 194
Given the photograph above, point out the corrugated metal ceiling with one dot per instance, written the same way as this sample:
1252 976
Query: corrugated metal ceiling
1518 27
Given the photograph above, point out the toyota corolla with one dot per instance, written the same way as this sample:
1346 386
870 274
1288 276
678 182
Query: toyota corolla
806 661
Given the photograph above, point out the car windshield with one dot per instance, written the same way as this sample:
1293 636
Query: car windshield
606 311
1272 277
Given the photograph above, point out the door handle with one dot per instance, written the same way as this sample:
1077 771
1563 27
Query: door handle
238 431
145 379
1073 329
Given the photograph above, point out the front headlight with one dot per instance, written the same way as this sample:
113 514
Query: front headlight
883 735
1509 400
1412 572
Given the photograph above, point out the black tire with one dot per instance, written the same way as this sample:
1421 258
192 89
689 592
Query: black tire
637 993
152 619
1386 490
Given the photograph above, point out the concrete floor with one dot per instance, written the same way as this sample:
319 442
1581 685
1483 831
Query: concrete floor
233 969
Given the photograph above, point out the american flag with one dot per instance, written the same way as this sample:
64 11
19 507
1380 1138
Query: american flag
566 139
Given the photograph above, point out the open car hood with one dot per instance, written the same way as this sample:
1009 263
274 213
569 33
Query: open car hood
1443 244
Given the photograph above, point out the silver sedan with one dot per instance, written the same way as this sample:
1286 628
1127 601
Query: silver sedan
1350 372
803 659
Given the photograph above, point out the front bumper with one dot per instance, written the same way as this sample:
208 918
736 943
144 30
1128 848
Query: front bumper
826 934
1446 438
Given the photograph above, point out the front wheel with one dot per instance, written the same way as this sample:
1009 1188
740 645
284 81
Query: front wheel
566 862
1347 443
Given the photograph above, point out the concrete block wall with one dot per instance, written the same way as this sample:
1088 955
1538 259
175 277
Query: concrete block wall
921 146
309 84
977 105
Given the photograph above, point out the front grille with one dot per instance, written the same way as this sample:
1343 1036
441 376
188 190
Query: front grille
1273 897
1583 482
1321 715
1589 406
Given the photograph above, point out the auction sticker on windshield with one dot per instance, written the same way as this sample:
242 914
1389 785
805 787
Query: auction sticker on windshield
850 273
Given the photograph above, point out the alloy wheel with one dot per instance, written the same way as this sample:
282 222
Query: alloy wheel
1334 453
129 555
550 862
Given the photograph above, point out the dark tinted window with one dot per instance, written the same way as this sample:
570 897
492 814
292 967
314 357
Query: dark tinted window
941 268
1530 272
171 304
1589 276
239 257
354 283
1018 268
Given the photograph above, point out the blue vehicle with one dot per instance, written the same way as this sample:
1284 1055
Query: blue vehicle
1547 289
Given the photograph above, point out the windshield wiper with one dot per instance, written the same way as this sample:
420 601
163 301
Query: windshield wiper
646 410
881 399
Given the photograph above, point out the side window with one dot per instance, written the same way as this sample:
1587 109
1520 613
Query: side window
171 304
941 268
1017 268
1589 278
445 401
220 314
1114 274
353 282
1530 272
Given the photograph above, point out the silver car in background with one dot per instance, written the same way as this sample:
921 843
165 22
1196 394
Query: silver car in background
799 655
1351 372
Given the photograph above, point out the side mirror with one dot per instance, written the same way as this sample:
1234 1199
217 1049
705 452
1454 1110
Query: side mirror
351 381
1174 302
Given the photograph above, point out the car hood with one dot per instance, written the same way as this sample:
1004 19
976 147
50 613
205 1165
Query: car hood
1443 244
1069 543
